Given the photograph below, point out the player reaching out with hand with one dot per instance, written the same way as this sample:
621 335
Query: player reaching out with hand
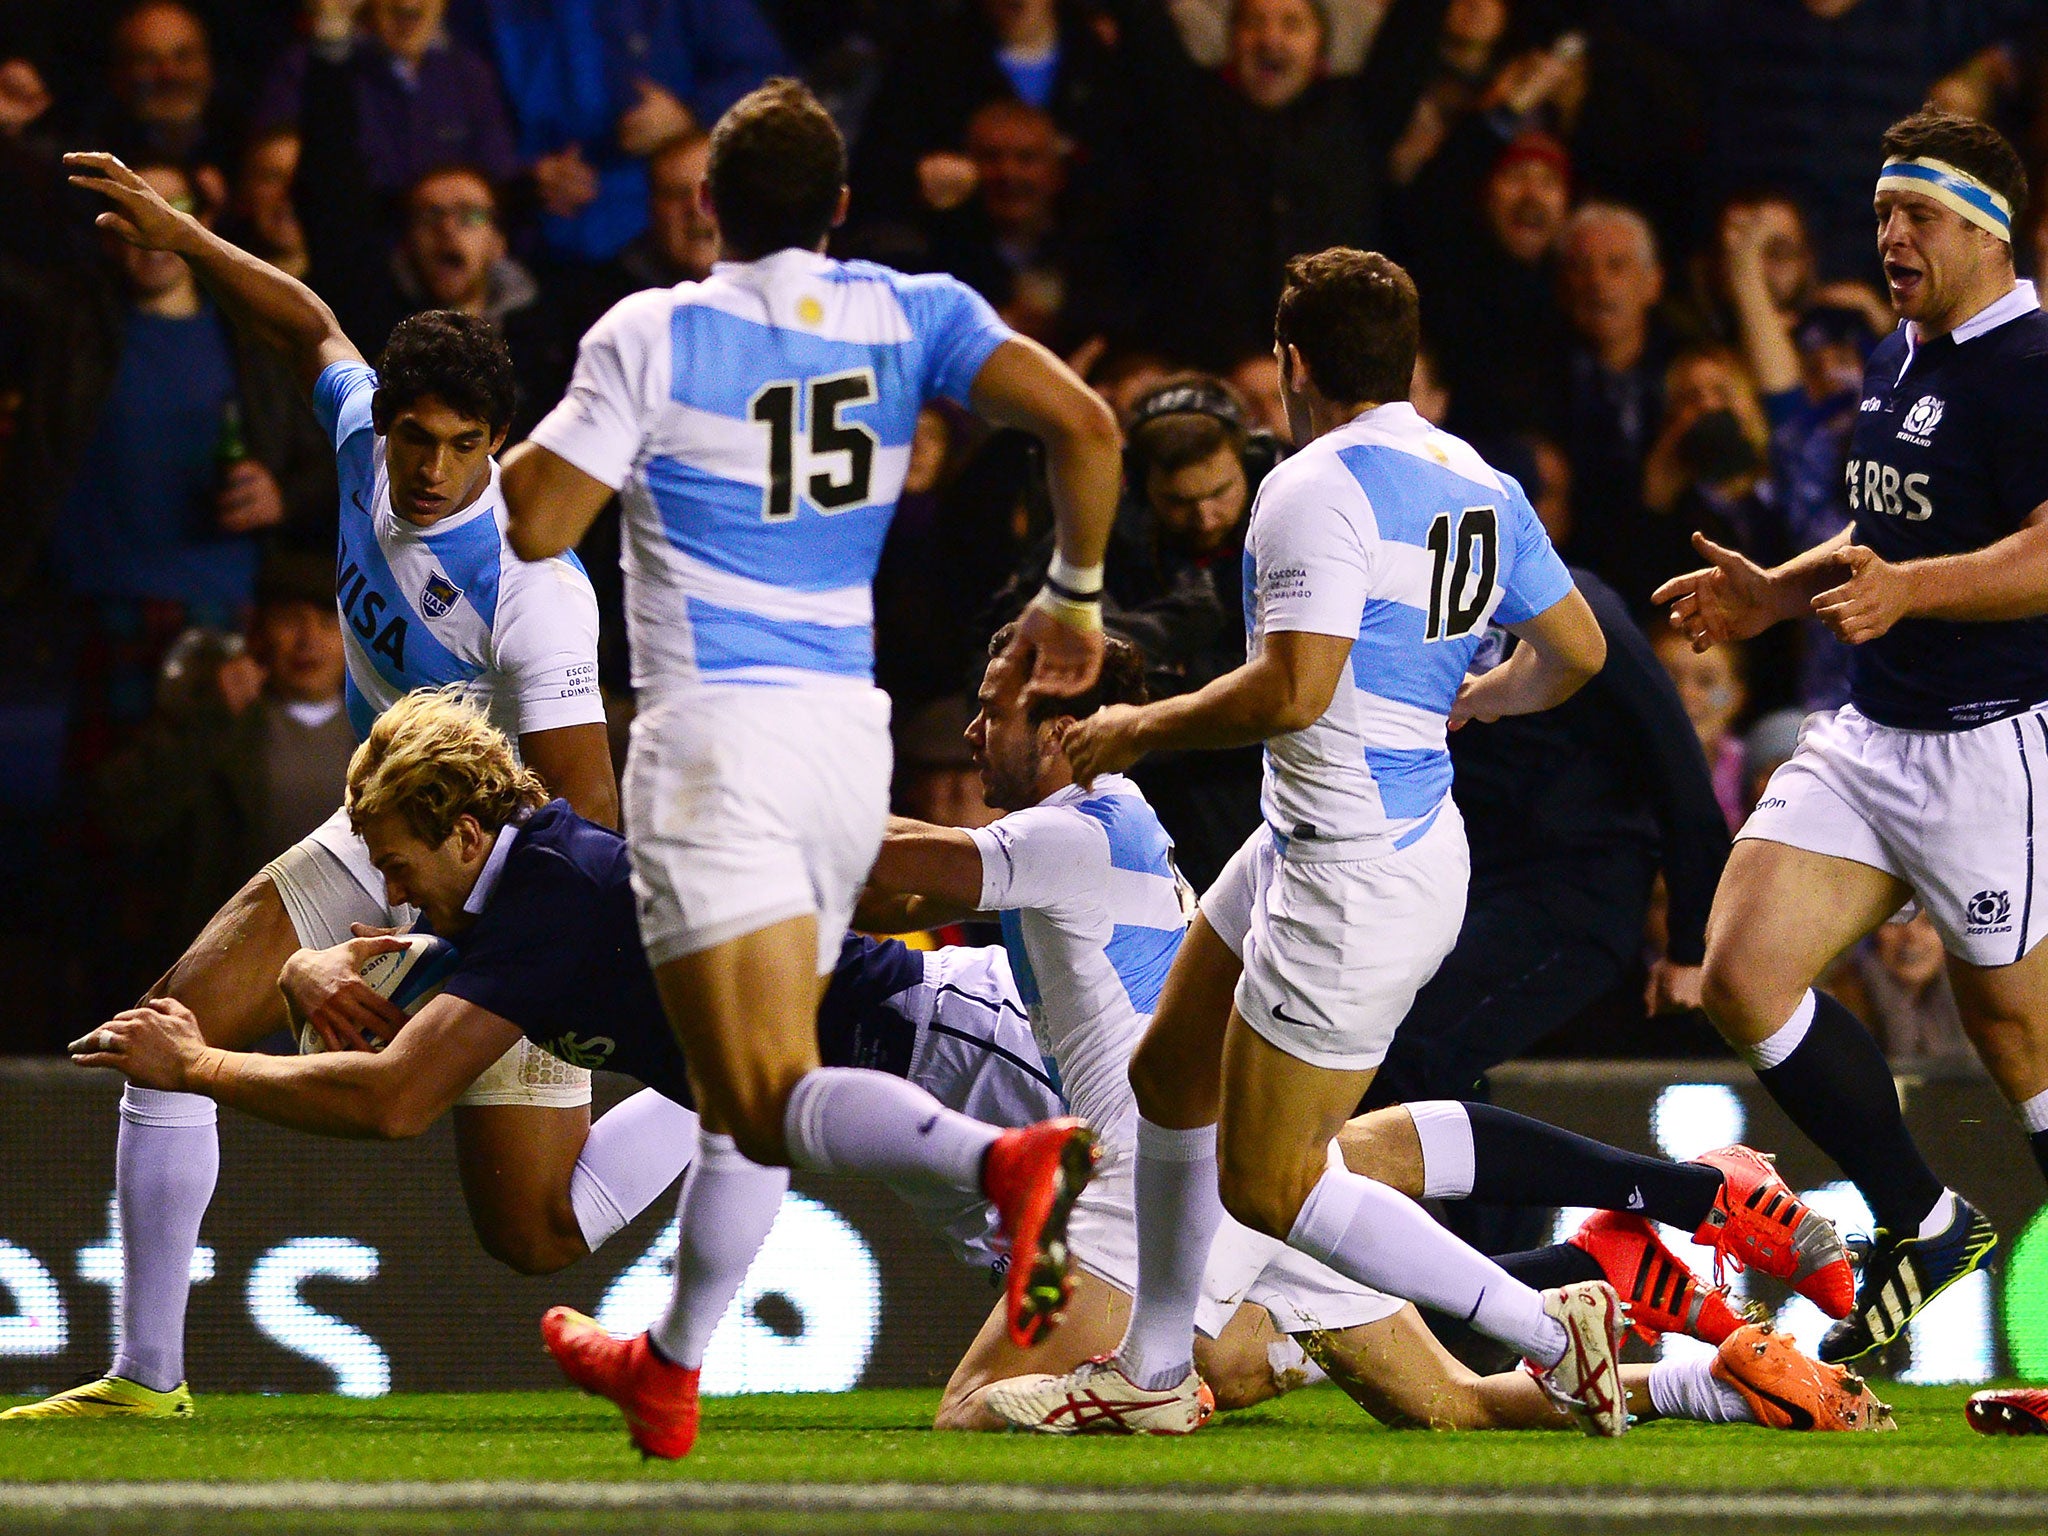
1928 785
429 594
1374 558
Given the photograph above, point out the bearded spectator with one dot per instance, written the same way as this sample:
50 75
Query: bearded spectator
162 105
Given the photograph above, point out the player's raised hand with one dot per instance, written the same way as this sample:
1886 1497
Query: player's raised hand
1730 599
1057 657
1106 742
322 987
1875 595
140 215
153 1046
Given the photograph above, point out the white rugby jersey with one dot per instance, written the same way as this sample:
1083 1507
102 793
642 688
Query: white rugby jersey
1399 535
450 603
975 1053
1093 912
757 426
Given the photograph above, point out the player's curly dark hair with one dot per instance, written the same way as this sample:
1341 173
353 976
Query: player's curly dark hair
459 359
778 165
1354 317
1965 143
1121 680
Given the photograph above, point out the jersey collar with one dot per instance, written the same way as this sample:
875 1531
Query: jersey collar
494 866
485 505
793 259
2020 300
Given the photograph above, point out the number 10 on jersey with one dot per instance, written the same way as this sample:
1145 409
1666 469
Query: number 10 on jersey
1455 559
775 406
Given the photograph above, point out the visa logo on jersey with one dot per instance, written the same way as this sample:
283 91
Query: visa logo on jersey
1875 487
363 606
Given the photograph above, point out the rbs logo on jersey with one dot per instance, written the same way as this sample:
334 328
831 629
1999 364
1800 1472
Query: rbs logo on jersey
1875 487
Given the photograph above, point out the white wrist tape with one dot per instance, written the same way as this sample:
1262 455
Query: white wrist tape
1076 583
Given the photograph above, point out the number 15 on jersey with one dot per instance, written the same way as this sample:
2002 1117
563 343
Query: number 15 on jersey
831 487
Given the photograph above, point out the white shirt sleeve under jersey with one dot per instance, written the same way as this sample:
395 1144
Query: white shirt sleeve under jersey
544 644
613 394
1040 857
1314 572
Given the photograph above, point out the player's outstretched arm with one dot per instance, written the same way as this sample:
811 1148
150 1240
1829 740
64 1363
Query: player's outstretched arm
923 876
1022 385
278 309
1285 687
1734 598
388 1095
1562 650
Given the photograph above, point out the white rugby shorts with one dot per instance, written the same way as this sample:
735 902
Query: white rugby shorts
747 806
326 882
1335 949
1954 814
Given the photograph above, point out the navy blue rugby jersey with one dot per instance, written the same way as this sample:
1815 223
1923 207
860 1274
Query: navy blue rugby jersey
555 949
1950 454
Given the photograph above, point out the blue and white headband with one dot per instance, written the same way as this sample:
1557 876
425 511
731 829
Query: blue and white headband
1956 190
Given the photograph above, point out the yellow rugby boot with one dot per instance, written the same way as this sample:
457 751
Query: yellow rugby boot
111 1397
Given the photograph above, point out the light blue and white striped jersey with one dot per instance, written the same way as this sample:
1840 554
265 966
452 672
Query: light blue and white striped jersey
1093 912
1402 536
450 602
757 426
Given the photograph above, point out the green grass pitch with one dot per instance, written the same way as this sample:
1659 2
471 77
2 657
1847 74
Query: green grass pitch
1312 1444
1312 1439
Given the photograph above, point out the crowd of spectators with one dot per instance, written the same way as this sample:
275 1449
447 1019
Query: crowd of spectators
1640 229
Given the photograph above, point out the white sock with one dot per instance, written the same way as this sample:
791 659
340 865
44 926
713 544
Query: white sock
1781 1042
2033 1112
1941 1218
1448 1159
634 1152
851 1120
165 1166
1178 1212
728 1205
1379 1237
1688 1389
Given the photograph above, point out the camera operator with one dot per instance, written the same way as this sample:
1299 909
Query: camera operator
1174 586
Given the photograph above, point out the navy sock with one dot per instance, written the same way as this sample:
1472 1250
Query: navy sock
1838 1089
2039 1142
1545 1269
1520 1161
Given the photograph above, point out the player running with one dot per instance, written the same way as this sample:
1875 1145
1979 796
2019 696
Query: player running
1374 557
429 594
1093 912
1929 783
540 903
757 426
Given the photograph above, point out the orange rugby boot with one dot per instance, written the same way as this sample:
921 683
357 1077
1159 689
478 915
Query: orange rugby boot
658 1399
1033 1176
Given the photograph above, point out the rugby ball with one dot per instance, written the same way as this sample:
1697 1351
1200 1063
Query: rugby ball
411 977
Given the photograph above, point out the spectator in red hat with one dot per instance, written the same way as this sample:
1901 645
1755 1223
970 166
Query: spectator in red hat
1489 286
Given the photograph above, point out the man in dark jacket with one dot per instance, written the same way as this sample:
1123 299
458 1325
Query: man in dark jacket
1174 587
1571 814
